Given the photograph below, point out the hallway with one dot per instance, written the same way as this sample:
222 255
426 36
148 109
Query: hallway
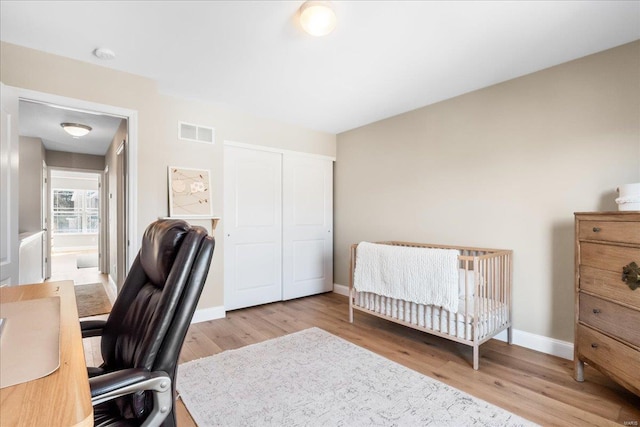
64 266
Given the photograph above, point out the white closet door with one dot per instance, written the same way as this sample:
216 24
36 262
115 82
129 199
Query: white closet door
252 227
308 226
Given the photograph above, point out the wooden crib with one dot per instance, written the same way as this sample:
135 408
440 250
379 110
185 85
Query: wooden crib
484 308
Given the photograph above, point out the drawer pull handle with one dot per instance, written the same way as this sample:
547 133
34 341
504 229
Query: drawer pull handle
596 311
594 345
596 229
631 275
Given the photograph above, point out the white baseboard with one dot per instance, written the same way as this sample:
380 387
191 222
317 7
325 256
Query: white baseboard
112 290
211 313
341 289
201 315
525 339
539 343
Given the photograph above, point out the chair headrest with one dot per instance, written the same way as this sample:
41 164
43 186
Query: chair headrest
160 245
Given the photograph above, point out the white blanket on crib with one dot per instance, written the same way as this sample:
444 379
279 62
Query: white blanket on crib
422 275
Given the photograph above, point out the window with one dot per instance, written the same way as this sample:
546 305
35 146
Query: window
75 211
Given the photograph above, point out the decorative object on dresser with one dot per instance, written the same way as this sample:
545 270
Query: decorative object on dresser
607 312
470 308
629 199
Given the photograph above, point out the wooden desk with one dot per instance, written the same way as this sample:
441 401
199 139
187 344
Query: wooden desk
62 398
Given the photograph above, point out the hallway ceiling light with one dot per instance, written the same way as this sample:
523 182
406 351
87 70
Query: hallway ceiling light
317 18
75 129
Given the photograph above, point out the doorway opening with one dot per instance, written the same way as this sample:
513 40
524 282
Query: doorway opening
75 226
86 210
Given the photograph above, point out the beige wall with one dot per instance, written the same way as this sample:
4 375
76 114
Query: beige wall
74 183
504 167
31 155
65 160
115 199
158 146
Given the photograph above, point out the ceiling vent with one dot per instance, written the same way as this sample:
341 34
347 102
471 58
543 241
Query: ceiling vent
197 133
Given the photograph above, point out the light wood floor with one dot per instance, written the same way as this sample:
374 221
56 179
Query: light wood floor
533 385
64 267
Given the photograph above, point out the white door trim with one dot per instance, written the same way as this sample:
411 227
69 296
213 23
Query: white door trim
9 262
44 221
104 223
132 117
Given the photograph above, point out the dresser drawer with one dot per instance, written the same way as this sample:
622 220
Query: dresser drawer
610 356
608 284
610 231
608 257
613 319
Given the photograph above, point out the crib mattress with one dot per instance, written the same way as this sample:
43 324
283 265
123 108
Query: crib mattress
493 314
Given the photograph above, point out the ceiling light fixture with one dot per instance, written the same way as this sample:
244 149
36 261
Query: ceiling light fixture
317 18
75 129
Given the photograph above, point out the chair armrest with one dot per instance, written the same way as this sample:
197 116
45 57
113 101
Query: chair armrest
105 384
92 328
120 383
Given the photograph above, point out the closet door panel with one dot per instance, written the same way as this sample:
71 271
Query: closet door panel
308 226
252 227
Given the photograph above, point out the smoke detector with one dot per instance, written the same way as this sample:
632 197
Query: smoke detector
104 53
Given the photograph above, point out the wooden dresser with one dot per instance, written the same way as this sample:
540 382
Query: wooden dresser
607 285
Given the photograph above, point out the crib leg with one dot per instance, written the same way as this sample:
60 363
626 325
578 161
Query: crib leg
510 335
476 356
350 306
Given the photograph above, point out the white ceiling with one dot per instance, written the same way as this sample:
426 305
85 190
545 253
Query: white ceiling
43 121
384 58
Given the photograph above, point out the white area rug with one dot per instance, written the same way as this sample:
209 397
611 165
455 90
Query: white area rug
313 378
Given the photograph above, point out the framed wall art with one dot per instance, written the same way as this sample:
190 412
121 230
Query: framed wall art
189 193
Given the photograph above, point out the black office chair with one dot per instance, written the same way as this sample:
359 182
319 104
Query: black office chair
142 338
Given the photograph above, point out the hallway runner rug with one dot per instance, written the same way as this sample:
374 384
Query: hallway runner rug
313 378
92 300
